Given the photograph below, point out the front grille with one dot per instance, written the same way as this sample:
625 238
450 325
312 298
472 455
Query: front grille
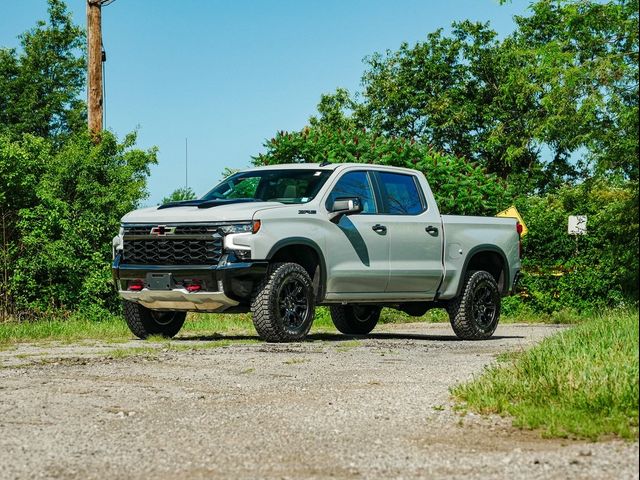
179 229
187 245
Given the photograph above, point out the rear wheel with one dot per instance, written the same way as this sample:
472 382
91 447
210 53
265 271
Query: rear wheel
355 319
474 315
144 322
283 304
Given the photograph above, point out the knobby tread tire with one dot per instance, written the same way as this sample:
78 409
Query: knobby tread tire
142 324
460 313
266 319
345 320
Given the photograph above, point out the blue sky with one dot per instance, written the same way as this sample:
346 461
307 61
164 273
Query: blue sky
228 75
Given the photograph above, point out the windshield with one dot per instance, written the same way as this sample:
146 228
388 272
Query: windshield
285 186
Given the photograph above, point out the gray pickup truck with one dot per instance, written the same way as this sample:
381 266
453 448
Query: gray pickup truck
279 240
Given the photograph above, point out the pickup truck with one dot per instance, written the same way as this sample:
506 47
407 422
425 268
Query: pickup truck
277 241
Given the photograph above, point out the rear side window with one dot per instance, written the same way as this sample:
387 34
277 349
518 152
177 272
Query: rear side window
400 194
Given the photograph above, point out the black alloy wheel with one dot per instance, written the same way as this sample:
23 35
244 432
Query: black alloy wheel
475 313
293 304
283 304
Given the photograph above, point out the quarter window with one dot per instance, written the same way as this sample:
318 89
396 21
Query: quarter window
400 194
354 184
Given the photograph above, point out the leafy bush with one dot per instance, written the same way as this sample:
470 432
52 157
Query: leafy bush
589 272
61 249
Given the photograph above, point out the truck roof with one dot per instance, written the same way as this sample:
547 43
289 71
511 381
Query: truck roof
326 166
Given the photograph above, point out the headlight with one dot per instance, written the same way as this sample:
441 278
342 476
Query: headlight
249 227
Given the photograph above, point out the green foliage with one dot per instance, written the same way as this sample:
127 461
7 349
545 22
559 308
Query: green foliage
63 239
580 383
599 269
40 84
179 194
581 66
61 196
460 187
556 100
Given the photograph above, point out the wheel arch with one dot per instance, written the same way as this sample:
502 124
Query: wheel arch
491 259
306 253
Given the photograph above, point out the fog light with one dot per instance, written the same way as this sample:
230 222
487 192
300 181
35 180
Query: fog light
242 254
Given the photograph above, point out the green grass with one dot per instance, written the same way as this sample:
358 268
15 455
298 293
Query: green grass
111 328
581 383
65 330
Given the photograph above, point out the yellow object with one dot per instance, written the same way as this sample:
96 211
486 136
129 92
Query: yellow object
512 212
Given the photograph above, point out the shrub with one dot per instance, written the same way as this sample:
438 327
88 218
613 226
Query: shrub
63 239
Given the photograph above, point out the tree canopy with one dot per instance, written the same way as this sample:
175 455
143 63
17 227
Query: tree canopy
40 83
555 101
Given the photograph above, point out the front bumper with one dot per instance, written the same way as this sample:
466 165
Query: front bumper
225 285
180 299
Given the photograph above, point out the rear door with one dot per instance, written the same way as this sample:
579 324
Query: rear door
415 234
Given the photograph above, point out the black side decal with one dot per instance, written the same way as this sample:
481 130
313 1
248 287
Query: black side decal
353 235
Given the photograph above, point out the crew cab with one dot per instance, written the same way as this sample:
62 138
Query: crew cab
280 240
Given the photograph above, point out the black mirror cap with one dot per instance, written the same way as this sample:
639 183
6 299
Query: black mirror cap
347 205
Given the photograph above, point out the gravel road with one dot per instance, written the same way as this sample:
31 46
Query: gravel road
332 407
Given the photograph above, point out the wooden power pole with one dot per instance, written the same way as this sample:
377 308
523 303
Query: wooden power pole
94 65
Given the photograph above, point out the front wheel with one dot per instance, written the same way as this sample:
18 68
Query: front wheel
283 304
355 319
474 315
144 322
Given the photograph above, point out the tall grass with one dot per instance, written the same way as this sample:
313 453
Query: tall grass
580 383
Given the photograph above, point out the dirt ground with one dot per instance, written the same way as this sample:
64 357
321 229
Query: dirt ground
332 407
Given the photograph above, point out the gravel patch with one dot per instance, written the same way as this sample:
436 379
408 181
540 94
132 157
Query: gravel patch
332 407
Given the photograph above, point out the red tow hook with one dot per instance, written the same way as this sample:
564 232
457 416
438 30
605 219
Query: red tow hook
194 287
136 286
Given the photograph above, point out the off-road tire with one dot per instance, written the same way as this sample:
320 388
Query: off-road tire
475 314
355 319
283 304
144 322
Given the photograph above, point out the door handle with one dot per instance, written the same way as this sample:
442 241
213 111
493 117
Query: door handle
381 229
431 230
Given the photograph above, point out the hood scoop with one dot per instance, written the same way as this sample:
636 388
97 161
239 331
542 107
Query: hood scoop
206 203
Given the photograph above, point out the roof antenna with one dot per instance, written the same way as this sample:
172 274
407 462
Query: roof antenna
325 163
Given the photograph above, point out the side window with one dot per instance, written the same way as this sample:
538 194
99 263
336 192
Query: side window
354 184
400 194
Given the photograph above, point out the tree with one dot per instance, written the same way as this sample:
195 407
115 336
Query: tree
179 194
555 101
582 68
40 84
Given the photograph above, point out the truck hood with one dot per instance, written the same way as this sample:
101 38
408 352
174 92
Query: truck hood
188 214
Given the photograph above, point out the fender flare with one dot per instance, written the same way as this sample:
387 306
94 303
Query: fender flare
286 242
485 247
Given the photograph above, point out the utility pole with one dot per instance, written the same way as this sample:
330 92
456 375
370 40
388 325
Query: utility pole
94 65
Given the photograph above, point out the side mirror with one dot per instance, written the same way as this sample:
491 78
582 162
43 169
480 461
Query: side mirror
344 206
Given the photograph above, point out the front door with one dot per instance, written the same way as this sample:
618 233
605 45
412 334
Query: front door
357 249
